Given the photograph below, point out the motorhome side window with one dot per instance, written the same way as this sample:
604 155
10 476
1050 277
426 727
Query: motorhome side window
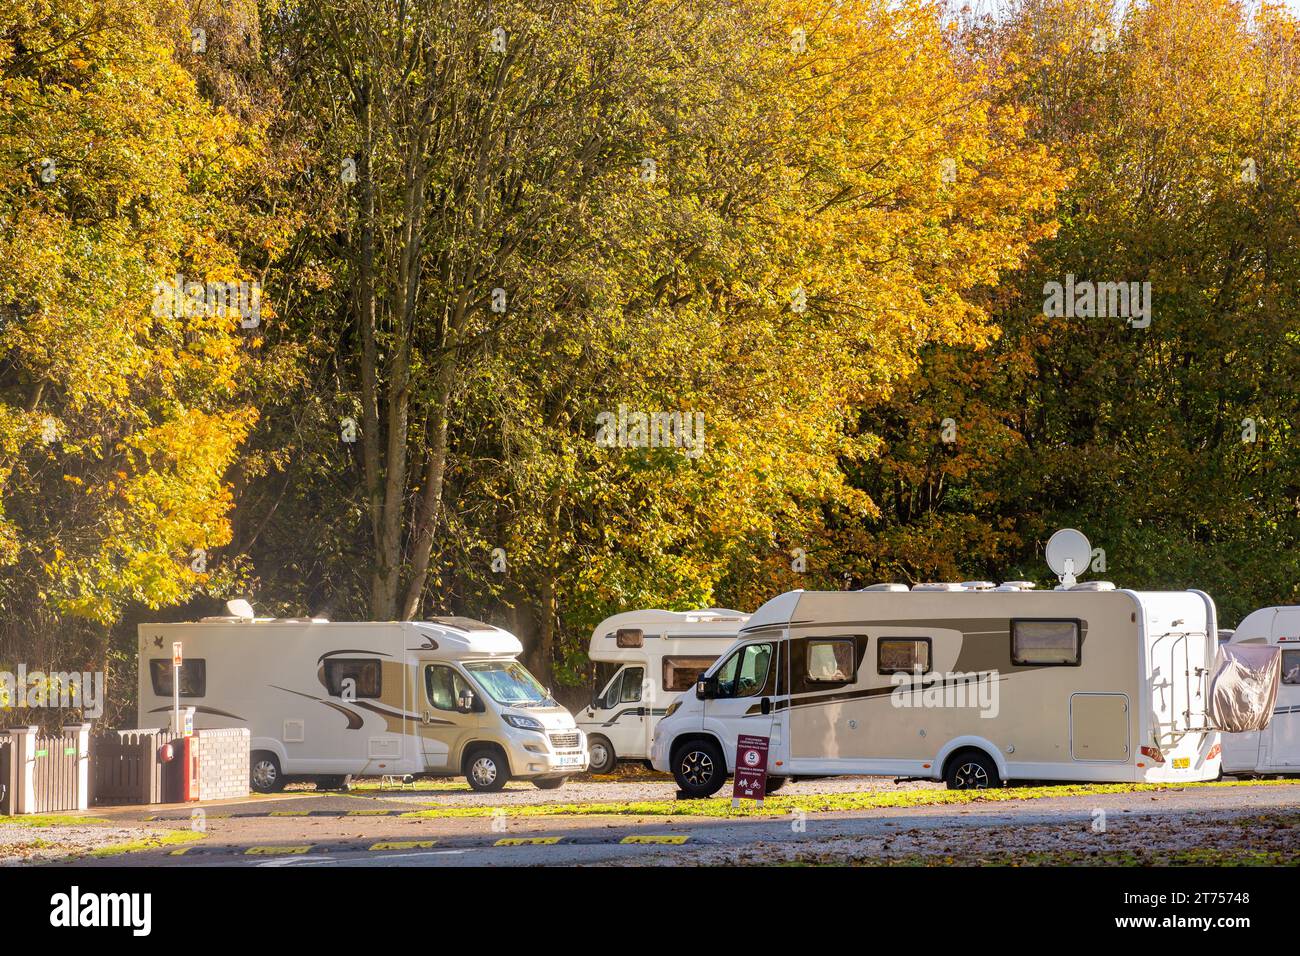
745 671
1045 642
681 673
1291 667
831 661
633 678
903 655
444 685
612 690
194 676
358 676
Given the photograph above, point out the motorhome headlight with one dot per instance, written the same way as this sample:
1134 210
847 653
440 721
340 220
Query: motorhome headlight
672 708
523 723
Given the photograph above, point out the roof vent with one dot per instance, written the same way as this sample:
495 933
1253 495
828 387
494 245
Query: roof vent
884 587
936 586
1017 586
977 585
1093 586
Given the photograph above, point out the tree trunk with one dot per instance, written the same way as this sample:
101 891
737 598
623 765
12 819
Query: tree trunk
435 473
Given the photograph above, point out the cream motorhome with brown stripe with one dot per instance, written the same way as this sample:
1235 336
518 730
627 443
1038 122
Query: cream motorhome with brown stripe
328 700
968 684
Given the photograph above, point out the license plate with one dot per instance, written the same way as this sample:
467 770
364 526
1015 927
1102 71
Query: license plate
570 761
1182 763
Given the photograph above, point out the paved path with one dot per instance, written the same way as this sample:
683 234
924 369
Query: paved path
332 830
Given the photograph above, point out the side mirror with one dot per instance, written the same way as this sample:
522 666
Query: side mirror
465 703
706 689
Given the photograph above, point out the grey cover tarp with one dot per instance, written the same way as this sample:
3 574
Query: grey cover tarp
1244 687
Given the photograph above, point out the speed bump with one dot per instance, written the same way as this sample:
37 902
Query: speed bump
277 850
404 845
527 841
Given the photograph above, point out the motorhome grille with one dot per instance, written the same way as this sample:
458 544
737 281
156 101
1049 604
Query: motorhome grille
564 741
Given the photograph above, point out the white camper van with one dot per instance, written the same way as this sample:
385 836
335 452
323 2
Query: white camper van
968 683
322 700
662 653
1275 749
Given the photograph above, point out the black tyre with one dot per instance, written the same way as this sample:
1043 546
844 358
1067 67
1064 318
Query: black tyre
549 783
264 773
334 782
486 770
972 770
601 754
699 768
774 784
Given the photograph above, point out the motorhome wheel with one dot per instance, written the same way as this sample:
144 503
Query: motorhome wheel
699 768
774 784
602 755
486 771
334 782
549 783
264 773
972 770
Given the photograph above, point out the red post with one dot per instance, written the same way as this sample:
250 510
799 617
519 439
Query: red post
190 770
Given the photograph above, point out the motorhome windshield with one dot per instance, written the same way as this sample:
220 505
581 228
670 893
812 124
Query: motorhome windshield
508 682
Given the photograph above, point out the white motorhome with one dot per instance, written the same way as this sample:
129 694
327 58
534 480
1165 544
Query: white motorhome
967 683
323 700
659 654
1275 749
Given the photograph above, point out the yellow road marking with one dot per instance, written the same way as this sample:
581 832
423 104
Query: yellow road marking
404 845
654 838
276 850
366 813
526 841
182 851
288 813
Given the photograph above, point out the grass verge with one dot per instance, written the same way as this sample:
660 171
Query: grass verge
153 841
777 806
49 820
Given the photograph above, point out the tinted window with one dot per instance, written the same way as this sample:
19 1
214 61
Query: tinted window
1291 667
903 655
194 677
1044 642
681 673
359 677
830 661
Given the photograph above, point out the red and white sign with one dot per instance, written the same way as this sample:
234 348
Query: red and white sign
751 769
176 653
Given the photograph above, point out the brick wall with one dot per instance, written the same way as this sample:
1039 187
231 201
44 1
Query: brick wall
223 763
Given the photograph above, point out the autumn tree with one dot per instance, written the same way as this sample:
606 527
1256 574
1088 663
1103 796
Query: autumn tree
122 406
1168 444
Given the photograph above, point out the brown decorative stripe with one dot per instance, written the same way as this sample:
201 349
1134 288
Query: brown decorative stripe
355 720
199 709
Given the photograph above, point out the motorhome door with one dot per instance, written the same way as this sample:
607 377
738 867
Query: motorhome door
446 722
624 710
745 697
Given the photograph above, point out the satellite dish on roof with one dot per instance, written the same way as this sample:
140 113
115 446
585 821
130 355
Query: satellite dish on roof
240 608
1068 555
